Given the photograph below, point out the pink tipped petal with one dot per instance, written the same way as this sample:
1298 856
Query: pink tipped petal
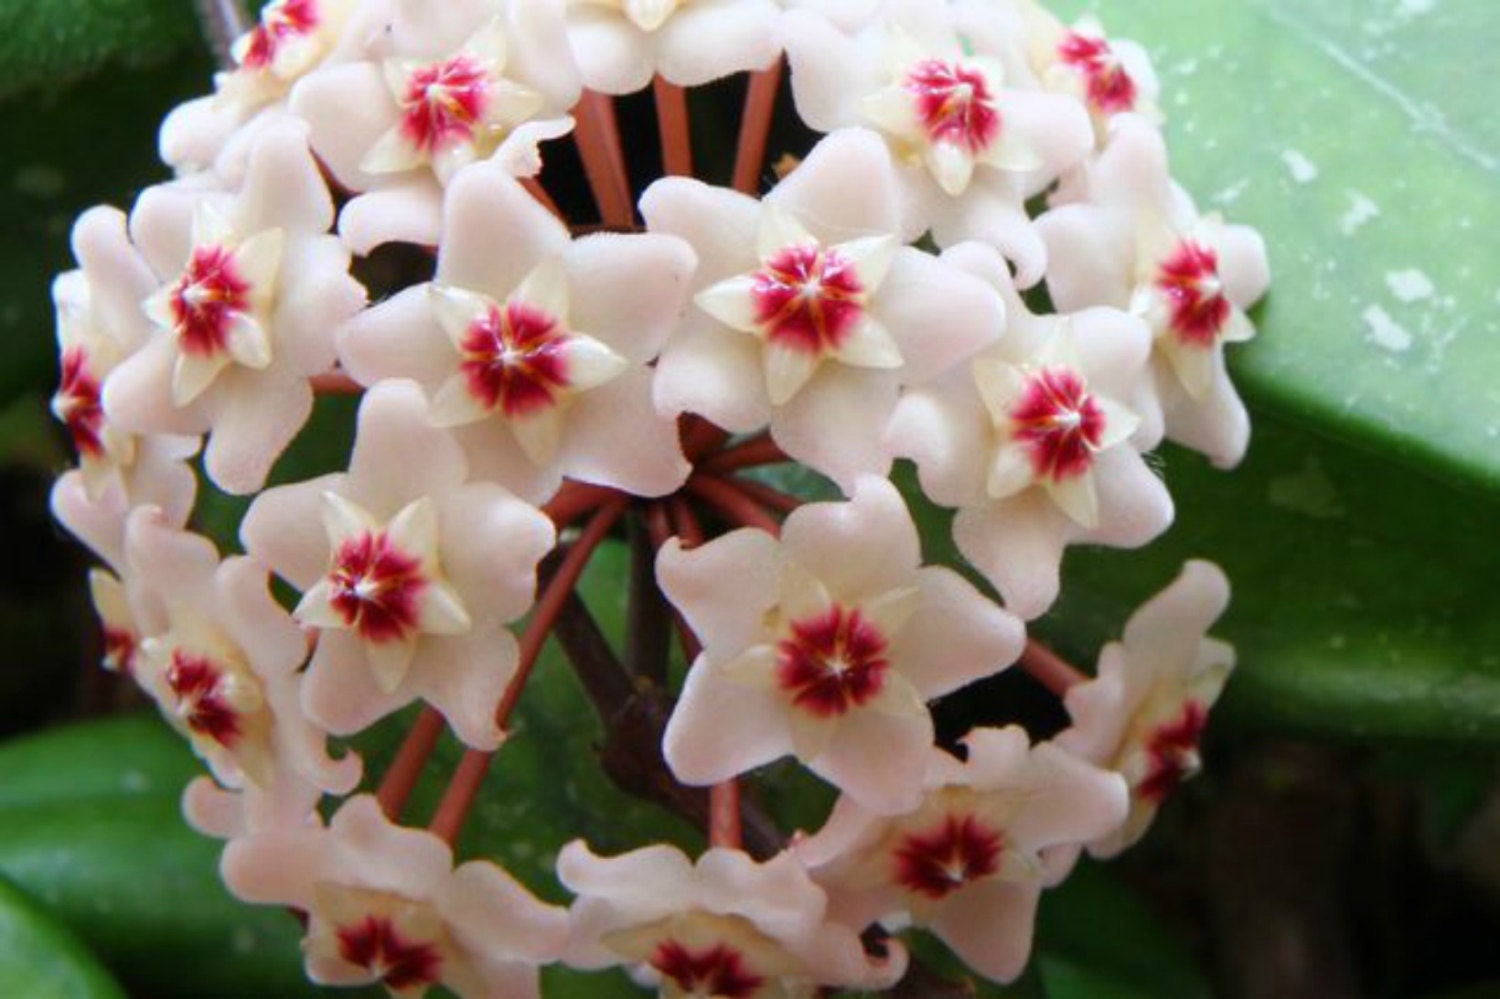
636 289
284 530
955 636
720 729
463 676
407 212
835 425
844 189
990 926
496 234
709 39
255 418
397 339
693 579
834 541
616 437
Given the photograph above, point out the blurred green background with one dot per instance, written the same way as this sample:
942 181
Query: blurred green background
1345 840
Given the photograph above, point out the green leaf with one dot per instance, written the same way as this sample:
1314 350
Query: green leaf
41 959
90 824
1094 922
68 148
1360 137
48 43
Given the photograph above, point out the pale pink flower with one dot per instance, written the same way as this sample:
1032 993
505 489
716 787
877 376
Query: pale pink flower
250 289
221 661
622 44
1038 442
536 348
1138 242
809 313
1145 712
970 148
444 86
385 905
826 644
725 926
1110 76
409 572
970 861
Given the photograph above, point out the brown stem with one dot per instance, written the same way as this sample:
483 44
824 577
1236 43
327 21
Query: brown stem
758 450
536 190
598 138
724 815
223 21
575 499
685 523
771 499
406 769
647 623
672 120
463 788
755 127
700 437
467 778
1049 669
336 383
736 507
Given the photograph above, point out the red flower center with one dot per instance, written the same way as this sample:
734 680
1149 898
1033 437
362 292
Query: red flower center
1173 749
120 647
76 403
443 103
954 104
1059 423
198 685
1189 278
375 587
1110 88
375 944
959 850
513 359
280 22
808 298
832 662
717 971
206 299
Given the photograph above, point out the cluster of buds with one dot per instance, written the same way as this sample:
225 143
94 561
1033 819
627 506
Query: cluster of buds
976 260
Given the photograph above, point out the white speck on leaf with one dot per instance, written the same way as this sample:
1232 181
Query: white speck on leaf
1302 169
1385 332
1308 491
1410 285
1361 211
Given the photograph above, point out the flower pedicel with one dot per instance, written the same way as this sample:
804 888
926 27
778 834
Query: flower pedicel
542 372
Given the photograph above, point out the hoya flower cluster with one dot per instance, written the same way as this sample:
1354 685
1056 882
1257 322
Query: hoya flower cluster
977 261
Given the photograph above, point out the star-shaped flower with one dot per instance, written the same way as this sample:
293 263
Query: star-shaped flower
437 91
725 926
971 148
621 44
970 860
826 644
1038 442
1145 712
385 905
536 348
1138 242
251 287
809 314
221 660
408 570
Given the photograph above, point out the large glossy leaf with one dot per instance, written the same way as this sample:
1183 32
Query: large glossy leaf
90 825
1360 137
47 44
40 959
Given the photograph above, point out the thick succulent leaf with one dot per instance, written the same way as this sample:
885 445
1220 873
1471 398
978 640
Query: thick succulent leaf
46 44
66 148
41 959
1360 137
90 825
